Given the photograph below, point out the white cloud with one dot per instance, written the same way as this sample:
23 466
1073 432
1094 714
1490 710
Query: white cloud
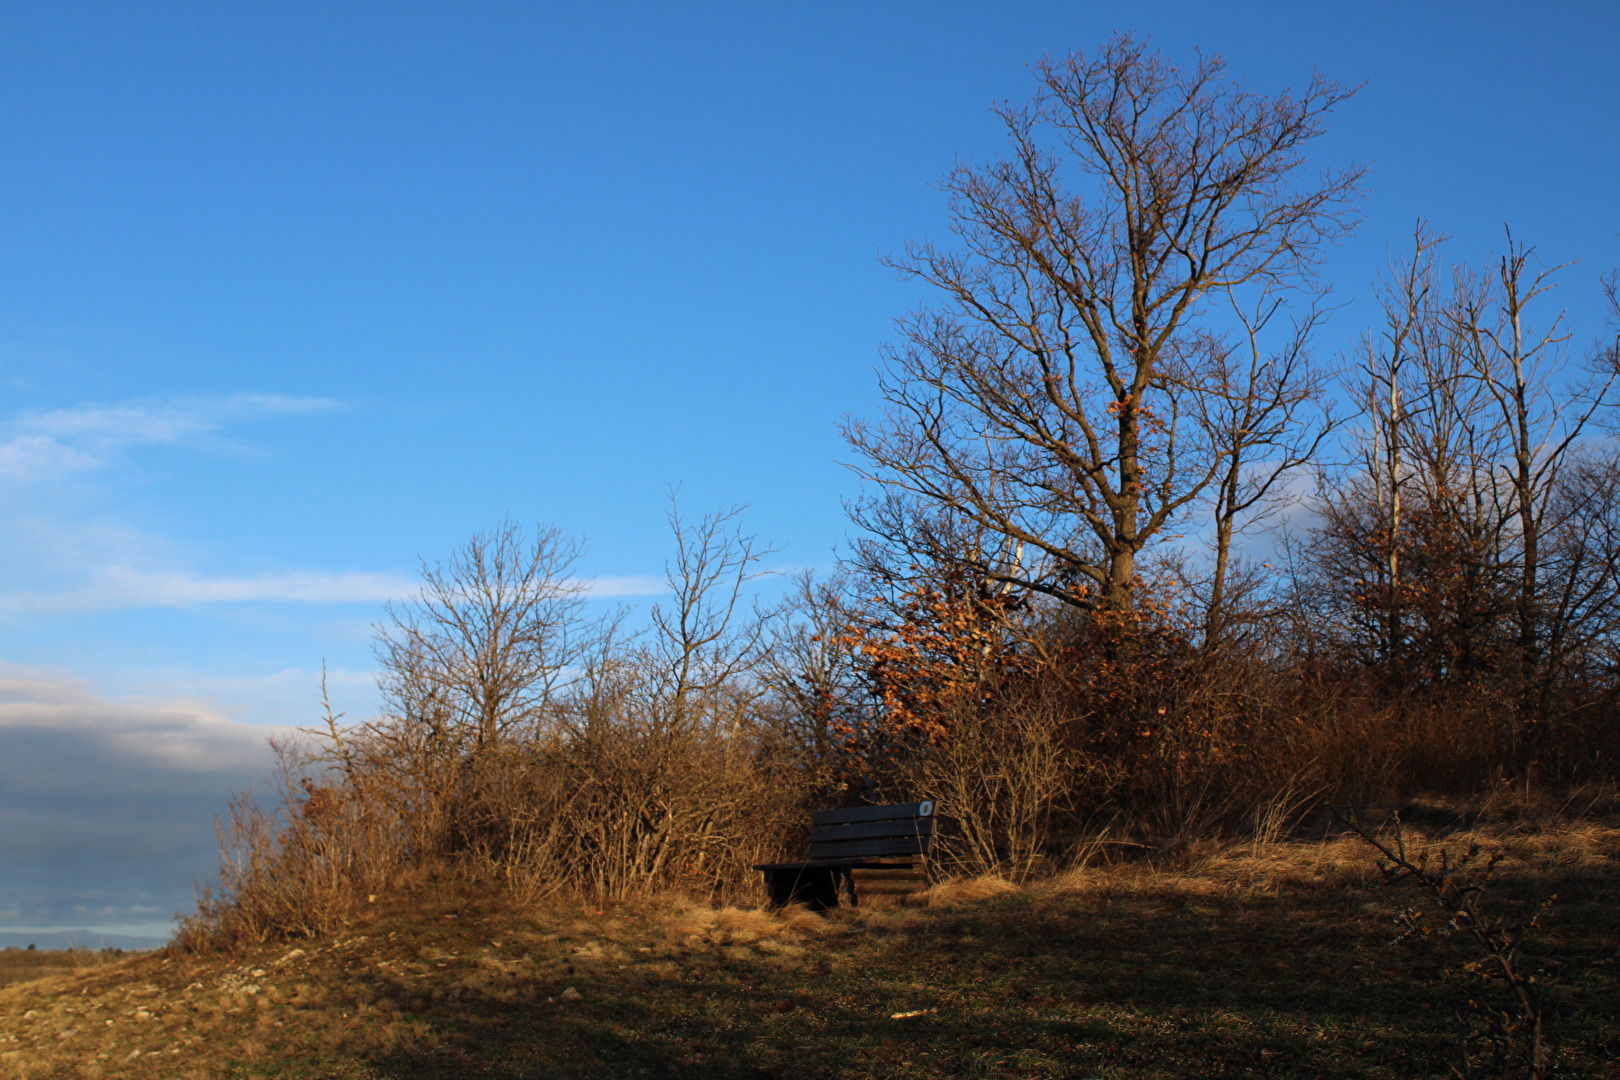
29 457
629 585
122 588
45 445
291 695
117 588
140 588
227 687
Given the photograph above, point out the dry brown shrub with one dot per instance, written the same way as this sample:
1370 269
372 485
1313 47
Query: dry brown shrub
578 765
999 775
569 813
298 868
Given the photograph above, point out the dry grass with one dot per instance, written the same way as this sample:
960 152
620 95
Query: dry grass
1252 960
701 924
965 891
26 965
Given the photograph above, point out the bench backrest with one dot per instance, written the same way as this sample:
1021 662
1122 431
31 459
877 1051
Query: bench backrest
872 832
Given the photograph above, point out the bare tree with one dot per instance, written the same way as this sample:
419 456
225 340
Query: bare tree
1053 400
811 666
1264 412
490 640
702 643
664 756
1472 538
1543 417
1410 527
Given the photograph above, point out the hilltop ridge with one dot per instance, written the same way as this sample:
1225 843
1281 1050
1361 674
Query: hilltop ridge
1241 961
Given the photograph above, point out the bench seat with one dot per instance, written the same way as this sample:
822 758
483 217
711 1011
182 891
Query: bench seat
854 851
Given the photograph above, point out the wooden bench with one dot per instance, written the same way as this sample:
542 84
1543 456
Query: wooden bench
879 848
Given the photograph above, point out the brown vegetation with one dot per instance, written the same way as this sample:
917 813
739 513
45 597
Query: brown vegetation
1237 959
1051 626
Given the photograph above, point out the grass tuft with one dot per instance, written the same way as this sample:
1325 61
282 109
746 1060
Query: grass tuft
966 891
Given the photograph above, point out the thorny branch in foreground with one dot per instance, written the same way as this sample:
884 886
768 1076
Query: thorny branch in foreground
1492 1042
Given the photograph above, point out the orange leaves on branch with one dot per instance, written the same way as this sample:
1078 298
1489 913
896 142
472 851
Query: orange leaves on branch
949 650
1126 682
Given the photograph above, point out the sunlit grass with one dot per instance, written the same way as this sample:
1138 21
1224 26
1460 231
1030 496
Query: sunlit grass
1230 961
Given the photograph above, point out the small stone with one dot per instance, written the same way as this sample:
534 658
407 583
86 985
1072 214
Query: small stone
289 958
571 994
30 1014
142 1014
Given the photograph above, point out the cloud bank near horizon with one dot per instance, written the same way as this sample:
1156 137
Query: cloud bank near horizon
107 806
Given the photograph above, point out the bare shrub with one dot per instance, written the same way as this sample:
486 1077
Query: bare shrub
999 775
1494 1041
645 808
675 783
527 748
297 868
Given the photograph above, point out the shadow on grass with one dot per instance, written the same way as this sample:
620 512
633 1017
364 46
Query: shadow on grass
1154 984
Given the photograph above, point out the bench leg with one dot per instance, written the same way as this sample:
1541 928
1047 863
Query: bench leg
816 887
779 887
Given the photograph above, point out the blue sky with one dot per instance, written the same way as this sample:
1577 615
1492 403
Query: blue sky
294 294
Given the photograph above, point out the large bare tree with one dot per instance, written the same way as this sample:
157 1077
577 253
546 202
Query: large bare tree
1056 404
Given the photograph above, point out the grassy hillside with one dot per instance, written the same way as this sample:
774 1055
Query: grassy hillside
1274 961
26 965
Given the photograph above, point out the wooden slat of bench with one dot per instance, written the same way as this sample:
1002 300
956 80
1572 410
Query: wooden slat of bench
870 862
852 849
889 873
888 887
868 830
888 881
873 813
879 849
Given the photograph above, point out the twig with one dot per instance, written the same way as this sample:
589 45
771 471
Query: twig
1486 1036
